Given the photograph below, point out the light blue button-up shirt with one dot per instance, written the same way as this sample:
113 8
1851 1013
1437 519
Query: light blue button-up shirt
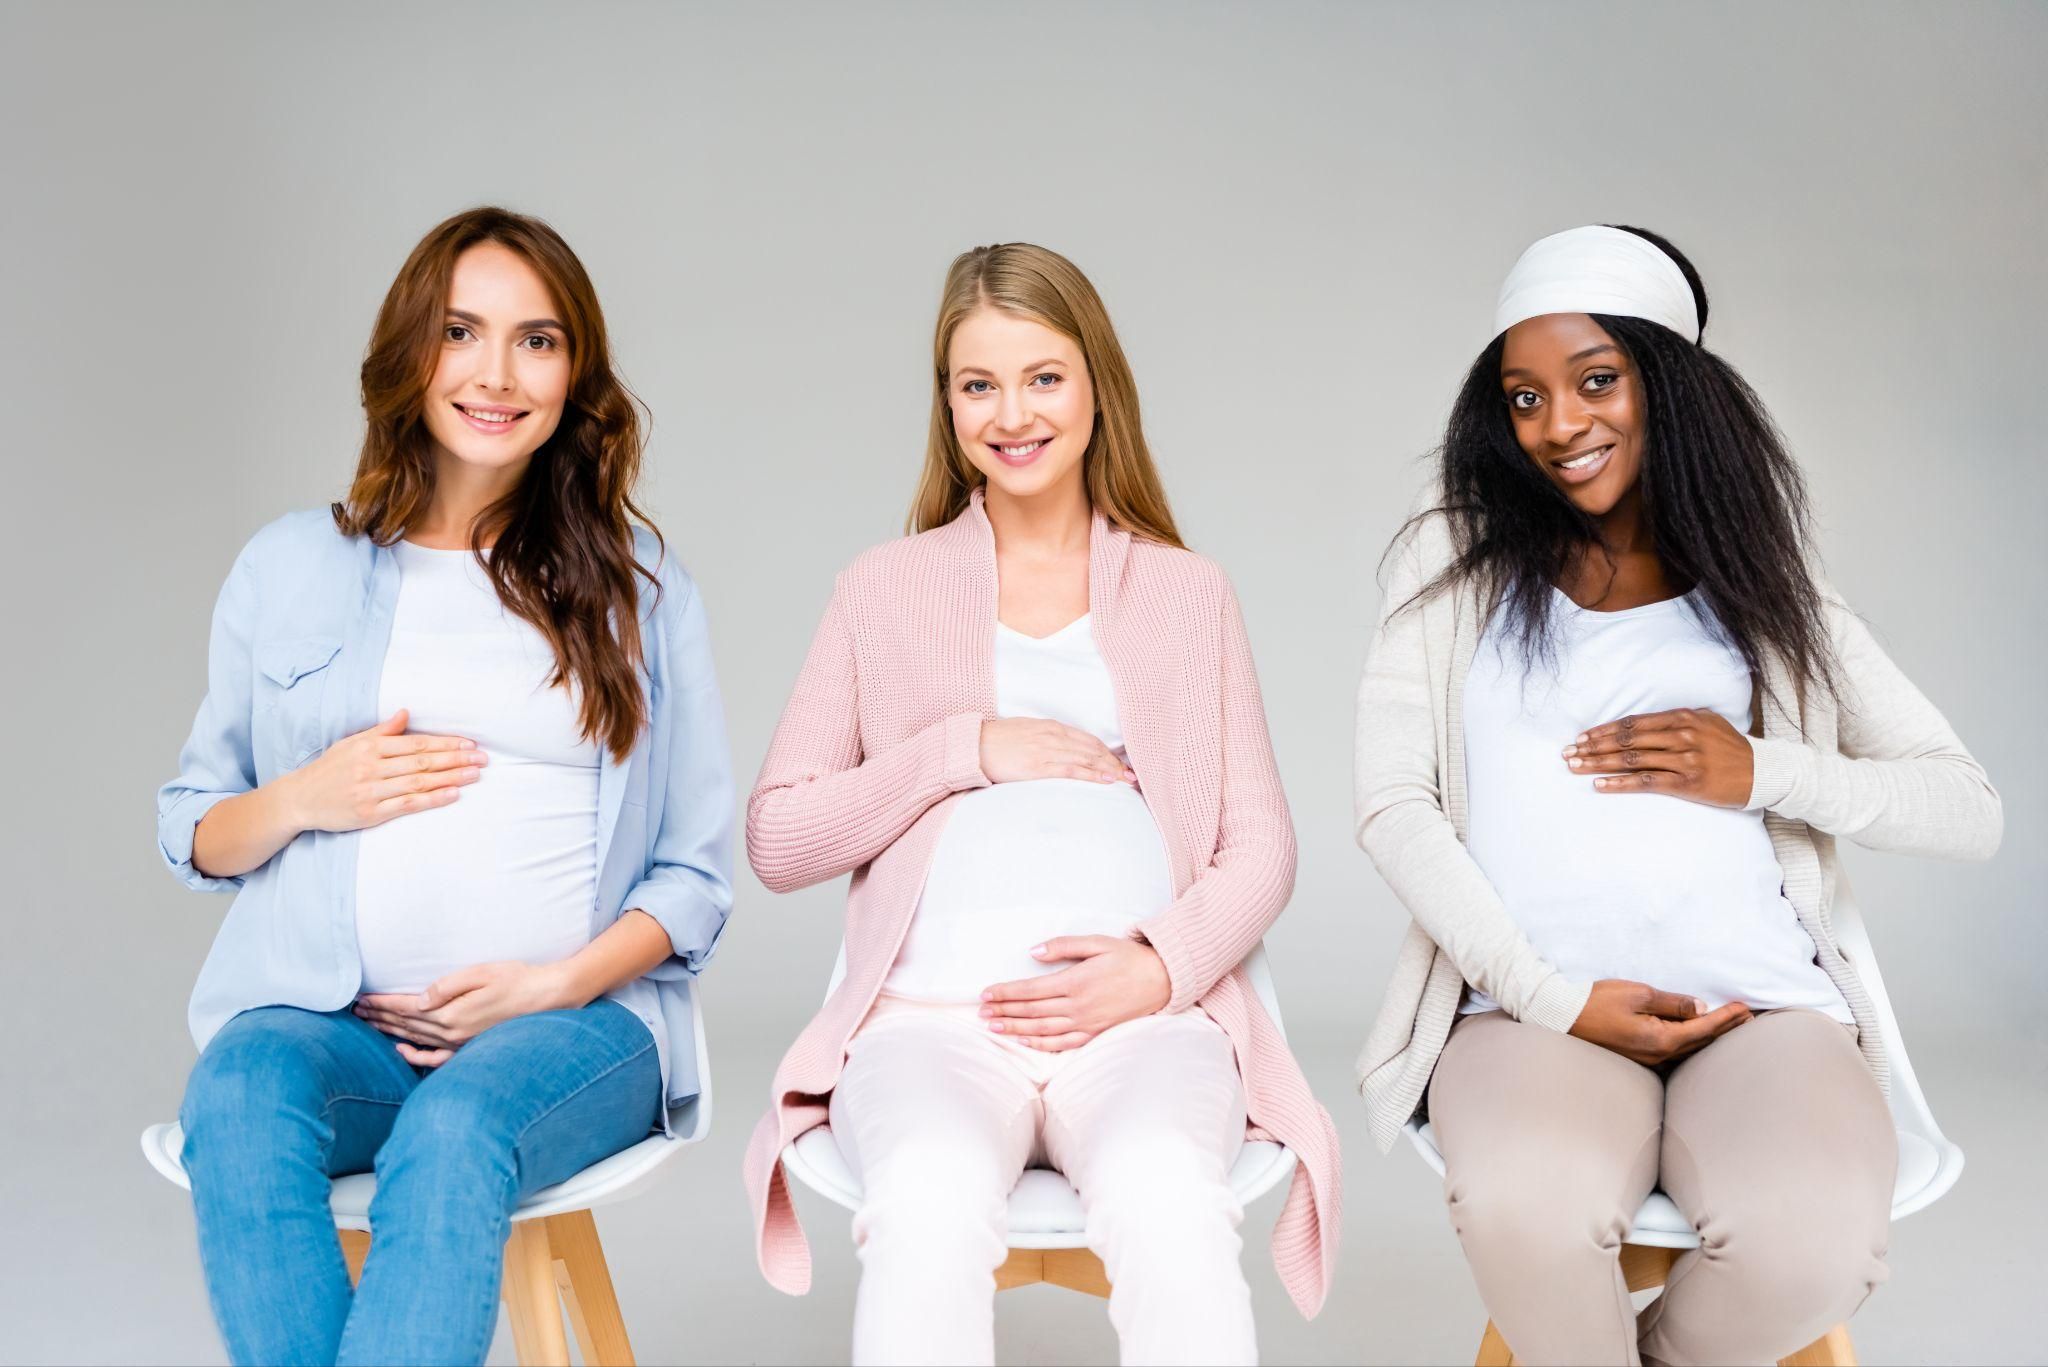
296 655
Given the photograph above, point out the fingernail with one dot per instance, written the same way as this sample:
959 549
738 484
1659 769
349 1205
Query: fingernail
1699 1006
1038 949
1582 737
987 1011
1577 763
468 745
1130 775
996 1026
1599 783
1570 750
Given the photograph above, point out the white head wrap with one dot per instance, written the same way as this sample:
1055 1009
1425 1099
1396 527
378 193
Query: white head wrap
1597 270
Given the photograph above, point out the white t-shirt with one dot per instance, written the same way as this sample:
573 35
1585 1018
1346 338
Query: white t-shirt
509 869
1019 863
1643 886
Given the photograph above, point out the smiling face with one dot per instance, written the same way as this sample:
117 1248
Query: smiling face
503 378
1022 403
1576 403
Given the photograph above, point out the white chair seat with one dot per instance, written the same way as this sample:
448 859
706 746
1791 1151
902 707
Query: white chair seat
1045 1211
603 1182
1660 1225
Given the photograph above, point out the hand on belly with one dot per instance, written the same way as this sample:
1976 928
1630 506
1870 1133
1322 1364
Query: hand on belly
430 1026
1112 980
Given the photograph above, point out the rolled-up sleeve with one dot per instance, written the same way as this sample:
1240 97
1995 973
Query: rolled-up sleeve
218 760
688 884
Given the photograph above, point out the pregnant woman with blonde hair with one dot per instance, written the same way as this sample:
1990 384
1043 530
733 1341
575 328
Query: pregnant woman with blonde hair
1032 734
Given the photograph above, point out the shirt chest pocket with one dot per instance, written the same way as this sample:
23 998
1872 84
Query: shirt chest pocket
294 678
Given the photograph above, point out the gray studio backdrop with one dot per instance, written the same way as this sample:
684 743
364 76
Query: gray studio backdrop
1297 213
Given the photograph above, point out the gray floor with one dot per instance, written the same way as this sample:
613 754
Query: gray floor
104 1271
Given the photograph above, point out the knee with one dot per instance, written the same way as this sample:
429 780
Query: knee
452 1138
1821 1245
1540 1221
246 1092
933 1193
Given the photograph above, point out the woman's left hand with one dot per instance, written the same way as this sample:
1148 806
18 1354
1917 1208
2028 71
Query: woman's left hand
1113 980
1690 753
430 1026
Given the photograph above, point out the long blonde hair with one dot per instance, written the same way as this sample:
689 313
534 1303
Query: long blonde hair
1043 286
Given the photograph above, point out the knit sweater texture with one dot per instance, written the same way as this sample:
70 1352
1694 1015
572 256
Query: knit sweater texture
883 730
1877 764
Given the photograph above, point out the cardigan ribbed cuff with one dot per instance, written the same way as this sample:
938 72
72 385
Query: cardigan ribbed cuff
1557 1004
1775 767
1183 975
963 752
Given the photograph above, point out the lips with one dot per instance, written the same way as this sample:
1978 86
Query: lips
1019 452
1585 465
493 419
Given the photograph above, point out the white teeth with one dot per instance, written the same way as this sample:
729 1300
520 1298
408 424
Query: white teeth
1026 449
488 417
1581 462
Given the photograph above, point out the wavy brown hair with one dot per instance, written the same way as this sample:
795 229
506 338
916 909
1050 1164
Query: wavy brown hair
562 557
1033 282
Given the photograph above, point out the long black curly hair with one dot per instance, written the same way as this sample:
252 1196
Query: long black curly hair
1724 502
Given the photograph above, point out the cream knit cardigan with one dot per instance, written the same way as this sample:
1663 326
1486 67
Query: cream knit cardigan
1883 769
883 730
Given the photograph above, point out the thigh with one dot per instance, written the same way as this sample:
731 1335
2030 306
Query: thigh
1521 1108
1161 1091
323 1071
1779 1119
927 1094
559 1090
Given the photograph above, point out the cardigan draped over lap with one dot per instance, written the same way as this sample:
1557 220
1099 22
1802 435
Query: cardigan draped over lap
884 728
1878 764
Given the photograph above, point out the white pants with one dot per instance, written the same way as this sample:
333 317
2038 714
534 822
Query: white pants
938 1116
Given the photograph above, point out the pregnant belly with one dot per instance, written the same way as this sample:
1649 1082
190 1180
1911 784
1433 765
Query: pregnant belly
1021 863
508 872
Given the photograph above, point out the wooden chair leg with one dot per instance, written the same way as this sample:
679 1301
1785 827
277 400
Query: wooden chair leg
585 1281
1077 1269
355 1246
1024 1267
531 1297
1493 1350
1832 1349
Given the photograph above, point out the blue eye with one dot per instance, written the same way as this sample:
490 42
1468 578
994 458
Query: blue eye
1047 376
975 387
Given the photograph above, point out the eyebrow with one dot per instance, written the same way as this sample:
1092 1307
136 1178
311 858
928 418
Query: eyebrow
528 326
1048 364
1572 359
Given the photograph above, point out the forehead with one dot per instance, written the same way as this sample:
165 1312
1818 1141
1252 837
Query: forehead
1549 341
492 278
993 340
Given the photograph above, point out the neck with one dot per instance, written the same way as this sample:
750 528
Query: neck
1623 530
1049 523
461 494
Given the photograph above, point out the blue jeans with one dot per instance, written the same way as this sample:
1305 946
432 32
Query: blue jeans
284 1099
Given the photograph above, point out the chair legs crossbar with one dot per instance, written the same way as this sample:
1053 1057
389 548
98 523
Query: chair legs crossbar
1077 1269
1643 1267
552 1266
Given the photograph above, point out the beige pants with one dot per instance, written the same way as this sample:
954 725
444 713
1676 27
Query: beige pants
1774 1141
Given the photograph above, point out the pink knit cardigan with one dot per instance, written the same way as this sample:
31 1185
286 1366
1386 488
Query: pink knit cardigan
884 729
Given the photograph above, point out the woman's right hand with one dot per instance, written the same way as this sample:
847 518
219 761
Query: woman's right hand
1638 1022
1018 748
366 779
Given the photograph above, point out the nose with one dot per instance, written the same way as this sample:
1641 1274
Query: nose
1568 421
1013 414
494 368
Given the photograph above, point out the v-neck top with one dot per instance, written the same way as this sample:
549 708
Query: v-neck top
1022 862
